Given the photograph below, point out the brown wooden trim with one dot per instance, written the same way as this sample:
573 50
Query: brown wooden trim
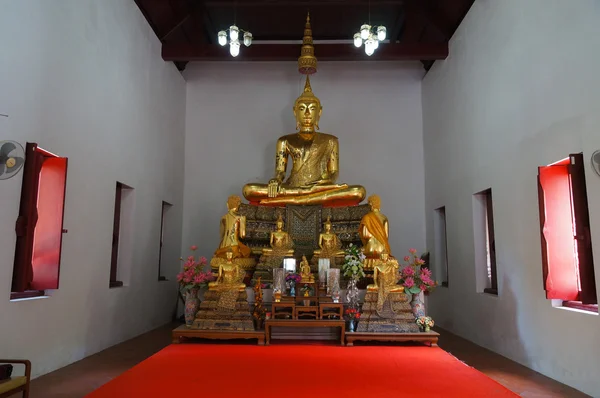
582 237
115 237
165 206
580 306
27 219
115 284
287 52
490 290
27 294
489 205
430 338
182 333
307 323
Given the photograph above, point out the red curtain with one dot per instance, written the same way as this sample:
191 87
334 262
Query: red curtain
48 230
559 254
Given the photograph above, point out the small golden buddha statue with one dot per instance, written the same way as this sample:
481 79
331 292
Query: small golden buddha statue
229 276
385 276
233 228
307 277
328 242
374 232
280 242
315 156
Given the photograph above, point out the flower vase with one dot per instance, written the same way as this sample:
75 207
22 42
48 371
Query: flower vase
192 302
292 288
427 329
417 305
352 294
351 325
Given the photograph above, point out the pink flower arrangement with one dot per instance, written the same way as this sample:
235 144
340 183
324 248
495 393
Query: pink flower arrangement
413 277
293 277
193 274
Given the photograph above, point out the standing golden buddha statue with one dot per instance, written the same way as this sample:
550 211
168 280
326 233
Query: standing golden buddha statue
315 155
374 233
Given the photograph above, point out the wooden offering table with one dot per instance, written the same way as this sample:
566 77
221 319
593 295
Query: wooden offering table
305 323
429 338
183 333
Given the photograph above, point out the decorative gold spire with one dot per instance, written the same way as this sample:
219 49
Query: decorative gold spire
307 62
307 94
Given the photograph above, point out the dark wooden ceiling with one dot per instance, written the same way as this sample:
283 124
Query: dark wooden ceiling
417 29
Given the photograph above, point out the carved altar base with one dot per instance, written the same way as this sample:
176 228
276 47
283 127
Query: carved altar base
395 317
228 310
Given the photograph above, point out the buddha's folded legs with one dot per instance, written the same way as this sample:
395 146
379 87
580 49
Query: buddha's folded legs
317 194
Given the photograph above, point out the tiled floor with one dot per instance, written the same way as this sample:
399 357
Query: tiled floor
84 376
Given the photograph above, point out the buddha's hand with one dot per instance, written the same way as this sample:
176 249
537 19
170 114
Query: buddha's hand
273 188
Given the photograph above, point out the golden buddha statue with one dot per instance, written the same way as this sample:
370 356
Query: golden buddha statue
328 242
385 276
315 155
374 232
307 277
229 276
233 228
280 242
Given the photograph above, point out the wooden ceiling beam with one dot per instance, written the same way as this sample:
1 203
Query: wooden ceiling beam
324 52
300 3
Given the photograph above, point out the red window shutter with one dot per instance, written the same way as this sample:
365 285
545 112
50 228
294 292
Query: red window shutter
582 230
27 220
48 231
556 222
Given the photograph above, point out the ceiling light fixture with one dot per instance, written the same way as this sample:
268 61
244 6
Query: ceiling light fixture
370 36
234 39
234 36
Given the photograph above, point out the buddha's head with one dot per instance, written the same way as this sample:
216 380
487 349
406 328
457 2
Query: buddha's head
327 225
229 254
384 256
233 202
374 202
307 109
279 223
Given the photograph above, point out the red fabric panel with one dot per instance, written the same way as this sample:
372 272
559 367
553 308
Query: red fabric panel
227 370
48 231
562 274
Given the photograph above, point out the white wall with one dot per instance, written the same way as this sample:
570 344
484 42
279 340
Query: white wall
236 112
84 79
520 89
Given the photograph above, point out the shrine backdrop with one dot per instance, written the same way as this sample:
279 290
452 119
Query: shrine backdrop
236 111
506 101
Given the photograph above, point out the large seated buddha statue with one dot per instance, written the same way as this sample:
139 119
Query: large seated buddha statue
314 155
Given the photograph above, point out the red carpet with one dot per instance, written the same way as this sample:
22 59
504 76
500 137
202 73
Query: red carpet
289 371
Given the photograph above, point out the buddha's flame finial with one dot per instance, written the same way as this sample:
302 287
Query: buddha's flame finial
307 62
307 88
